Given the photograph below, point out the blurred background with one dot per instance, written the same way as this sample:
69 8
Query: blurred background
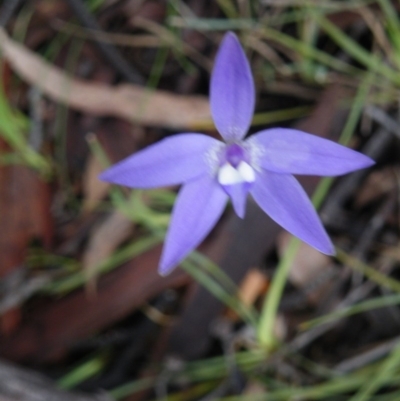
251 315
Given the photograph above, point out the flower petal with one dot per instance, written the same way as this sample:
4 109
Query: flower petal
291 151
199 205
238 195
171 161
284 200
232 94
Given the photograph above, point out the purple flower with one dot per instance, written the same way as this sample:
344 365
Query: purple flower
212 171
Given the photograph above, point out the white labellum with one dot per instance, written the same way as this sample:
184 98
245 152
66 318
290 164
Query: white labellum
229 175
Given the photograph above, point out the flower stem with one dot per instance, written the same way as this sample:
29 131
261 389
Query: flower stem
265 333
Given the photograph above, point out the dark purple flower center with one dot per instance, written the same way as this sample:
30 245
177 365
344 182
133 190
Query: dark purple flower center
234 154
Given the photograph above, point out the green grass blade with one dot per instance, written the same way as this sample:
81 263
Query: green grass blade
375 303
229 299
363 56
388 371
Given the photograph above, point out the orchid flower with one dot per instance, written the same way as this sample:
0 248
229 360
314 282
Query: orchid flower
212 171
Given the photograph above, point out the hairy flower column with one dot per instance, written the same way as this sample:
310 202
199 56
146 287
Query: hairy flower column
213 171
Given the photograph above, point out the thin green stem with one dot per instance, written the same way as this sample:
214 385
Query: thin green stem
266 335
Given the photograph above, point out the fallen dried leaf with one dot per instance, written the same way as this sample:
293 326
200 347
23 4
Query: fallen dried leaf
131 102
105 239
24 215
93 189
24 212
49 330
307 265
254 284
311 271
